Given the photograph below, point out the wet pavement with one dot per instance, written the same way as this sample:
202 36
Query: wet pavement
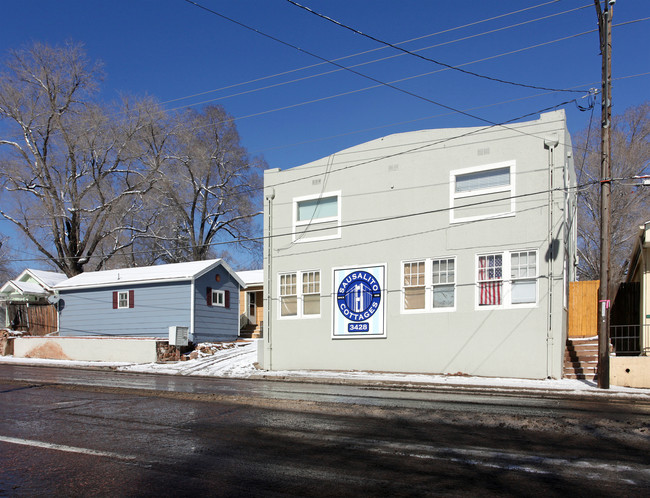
66 432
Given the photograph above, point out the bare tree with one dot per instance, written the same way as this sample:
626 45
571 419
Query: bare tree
5 261
209 189
73 171
630 199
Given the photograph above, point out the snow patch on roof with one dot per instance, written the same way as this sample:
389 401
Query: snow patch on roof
49 278
174 271
29 288
252 277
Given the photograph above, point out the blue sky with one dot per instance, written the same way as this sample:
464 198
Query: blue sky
290 112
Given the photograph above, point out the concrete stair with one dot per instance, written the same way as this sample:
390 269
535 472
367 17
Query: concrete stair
581 359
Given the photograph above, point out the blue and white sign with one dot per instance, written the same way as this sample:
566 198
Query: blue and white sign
359 302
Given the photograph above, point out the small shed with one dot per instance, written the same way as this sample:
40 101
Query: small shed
146 301
28 301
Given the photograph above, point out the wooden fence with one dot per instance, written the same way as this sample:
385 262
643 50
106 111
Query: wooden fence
41 319
583 308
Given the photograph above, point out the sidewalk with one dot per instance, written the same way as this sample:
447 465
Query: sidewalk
238 363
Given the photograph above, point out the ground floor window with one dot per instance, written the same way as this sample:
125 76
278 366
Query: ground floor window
288 295
218 298
414 287
299 294
429 284
443 280
311 293
506 278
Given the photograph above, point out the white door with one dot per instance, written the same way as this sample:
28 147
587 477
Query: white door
252 307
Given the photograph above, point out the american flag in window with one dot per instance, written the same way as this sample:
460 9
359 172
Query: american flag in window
490 279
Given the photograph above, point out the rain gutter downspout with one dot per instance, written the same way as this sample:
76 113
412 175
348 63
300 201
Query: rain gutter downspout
551 143
268 344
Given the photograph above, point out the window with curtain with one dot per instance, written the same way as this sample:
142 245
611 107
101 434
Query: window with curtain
414 285
507 279
311 293
485 179
523 272
288 295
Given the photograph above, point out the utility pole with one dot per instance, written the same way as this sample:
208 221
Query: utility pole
605 31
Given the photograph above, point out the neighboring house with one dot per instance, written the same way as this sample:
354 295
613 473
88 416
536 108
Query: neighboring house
630 318
28 301
436 251
251 304
146 301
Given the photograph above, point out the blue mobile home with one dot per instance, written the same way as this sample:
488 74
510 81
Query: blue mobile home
146 301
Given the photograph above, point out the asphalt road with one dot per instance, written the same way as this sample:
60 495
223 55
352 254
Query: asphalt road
67 432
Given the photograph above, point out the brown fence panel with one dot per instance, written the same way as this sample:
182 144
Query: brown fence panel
42 319
583 308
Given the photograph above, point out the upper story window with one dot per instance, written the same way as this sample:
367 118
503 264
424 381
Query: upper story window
482 192
318 209
486 179
317 217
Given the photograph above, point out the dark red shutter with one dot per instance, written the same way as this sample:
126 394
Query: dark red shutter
227 299
115 300
208 291
131 298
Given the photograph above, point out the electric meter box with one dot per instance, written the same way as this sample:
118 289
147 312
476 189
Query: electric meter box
178 336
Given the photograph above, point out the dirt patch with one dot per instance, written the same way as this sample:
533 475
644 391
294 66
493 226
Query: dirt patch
49 350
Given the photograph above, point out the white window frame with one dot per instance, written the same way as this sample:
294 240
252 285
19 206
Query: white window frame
219 298
440 284
506 280
454 196
281 295
428 286
300 314
123 302
423 285
306 237
302 292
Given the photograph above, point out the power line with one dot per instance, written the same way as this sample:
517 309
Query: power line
376 60
427 144
390 218
379 85
278 40
414 54
247 189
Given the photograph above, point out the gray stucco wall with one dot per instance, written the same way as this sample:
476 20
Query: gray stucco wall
215 323
406 184
156 307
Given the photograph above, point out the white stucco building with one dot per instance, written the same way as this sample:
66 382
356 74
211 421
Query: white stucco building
435 251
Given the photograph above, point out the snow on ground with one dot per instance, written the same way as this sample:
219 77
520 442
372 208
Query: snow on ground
236 360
